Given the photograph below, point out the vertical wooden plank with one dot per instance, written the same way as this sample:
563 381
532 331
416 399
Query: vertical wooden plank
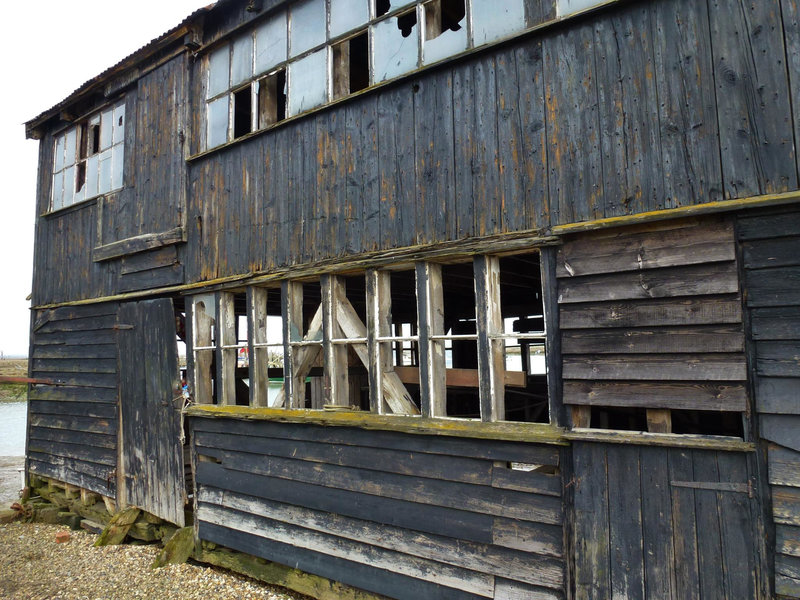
591 536
379 324
755 121
292 301
791 32
369 223
684 524
486 186
204 311
491 359
257 334
689 130
659 554
464 133
226 357
625 519
335 355
555 389
430 317
709 548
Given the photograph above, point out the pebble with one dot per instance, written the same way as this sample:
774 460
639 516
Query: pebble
34 567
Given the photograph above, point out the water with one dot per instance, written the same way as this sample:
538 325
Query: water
13 418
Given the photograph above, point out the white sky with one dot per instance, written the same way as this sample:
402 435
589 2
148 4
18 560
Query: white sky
47 50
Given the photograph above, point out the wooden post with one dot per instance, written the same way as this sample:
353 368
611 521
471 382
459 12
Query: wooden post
581 416
659 420
379 324
334 355
226 357
491 356
430 316
555 389
203 311
259 356
294 391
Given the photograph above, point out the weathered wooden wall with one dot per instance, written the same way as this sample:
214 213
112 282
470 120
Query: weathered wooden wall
771 256
408 516
663 523
72 433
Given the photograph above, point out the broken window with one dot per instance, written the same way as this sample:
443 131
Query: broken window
242 112
89 158
492 20
396 46
308 87
445 29
351 66
272 99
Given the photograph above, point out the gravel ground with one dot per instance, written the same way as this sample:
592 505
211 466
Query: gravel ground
34 567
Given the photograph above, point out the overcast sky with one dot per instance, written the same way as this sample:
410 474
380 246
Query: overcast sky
47 50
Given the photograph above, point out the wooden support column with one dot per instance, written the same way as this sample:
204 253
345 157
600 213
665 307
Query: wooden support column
659 420
294 389
203 311
226 357
430 316
555 389
379 324
489 319
334 355
259 356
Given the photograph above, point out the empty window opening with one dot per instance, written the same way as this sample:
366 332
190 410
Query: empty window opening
350 66
83 140
407 22
94 139
382 7
272 99
703 422
443 15
80 176
242 112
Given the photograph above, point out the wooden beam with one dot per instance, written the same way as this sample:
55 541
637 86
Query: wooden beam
204 312
226 357
336 381
552 327
139 243
259 356
467 378
491 355
430 316
379 319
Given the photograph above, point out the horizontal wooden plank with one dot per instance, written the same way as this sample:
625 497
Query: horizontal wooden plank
507 478
778 359
144 261
514 590
773 287
108 351
410 515
74 365
788 566
760 227
82 454
777 395
783 430
776 252
652 312
387 560
661 340
467 470
538 538
155 278
782 323
679 396
68 313
784 466
359 575
63 471
73 408
138 244
787 540
623 251
482 558
81 423
460 377
76 338
787 587
667 367
73 394
93 323
696 280
391 440
89 380
69 436
786 505
448 494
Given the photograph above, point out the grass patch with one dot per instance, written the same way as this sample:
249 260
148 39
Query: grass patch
13 392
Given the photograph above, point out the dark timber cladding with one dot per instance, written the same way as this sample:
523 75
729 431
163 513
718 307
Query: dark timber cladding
72 434
403 515
771 256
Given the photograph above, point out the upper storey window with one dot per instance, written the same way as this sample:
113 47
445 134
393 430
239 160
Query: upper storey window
88 158
318 51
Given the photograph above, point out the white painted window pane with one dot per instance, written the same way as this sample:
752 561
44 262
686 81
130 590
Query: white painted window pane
71 141
117 165
395 4
217 122
106 120
308 82
394 54
242 60
104 180
308 24
347 15
119 124
447 44
567 7
58 159
271 43
92 171
58 190
218 71
492 20
79 195
69 185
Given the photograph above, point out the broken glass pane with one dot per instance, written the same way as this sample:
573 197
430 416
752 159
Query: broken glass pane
271 43
104 184
218 71
106 120
492 20
119 124
307 24
447 44
242 60
58 190
117 162
308 82
217 122
58 159
347 15
92 171
395 53
567 7
71 141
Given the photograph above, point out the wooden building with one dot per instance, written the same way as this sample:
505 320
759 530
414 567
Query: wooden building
478 299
